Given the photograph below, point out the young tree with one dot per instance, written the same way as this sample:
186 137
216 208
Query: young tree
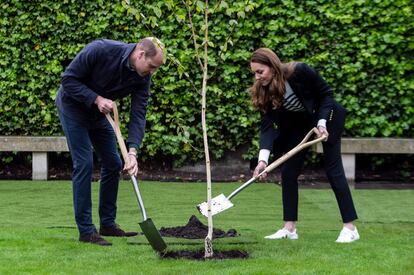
201 54
208 242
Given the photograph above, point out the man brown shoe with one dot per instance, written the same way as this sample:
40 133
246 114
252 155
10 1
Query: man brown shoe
115 231
94 238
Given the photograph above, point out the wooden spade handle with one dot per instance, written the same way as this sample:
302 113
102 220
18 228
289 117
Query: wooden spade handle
296 149
280 160
115 125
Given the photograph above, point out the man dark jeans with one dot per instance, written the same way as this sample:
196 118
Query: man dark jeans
104 143
101 72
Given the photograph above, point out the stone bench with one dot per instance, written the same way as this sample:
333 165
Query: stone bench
352 146
38 146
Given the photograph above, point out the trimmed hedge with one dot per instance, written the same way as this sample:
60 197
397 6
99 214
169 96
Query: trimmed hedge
364 49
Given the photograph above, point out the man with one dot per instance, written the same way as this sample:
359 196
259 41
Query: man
103 71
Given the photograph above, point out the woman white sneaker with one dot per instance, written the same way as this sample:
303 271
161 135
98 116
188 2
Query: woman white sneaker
348 235
283 234
287 232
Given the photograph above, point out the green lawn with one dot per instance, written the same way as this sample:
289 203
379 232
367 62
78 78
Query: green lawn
38 234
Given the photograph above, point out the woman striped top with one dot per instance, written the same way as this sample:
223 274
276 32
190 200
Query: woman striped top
291 101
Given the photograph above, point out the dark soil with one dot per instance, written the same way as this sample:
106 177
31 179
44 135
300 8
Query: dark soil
199 255
195 229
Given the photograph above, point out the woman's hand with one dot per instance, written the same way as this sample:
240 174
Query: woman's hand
132 166
323 132
259 168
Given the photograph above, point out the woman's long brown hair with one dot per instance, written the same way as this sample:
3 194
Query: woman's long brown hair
273 93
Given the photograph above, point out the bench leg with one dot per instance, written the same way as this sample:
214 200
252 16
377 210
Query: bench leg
348 161
39 166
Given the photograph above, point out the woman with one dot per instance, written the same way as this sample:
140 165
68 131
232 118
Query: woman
292 98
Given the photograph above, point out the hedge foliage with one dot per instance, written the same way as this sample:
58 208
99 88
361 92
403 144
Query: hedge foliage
363 48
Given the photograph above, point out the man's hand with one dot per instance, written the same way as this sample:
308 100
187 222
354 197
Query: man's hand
104 104
323 132
132 166
259 168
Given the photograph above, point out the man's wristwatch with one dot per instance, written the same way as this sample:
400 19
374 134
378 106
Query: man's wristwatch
132 152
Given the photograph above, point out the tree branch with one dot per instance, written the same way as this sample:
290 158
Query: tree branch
190 18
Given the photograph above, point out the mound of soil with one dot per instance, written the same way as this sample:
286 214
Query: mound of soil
199 255
195 229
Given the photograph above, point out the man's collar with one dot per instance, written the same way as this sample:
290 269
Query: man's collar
129 66
125 57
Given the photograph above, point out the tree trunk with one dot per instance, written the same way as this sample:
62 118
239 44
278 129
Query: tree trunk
208 242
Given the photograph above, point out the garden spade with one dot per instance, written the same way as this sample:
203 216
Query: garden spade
147 226
222 203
